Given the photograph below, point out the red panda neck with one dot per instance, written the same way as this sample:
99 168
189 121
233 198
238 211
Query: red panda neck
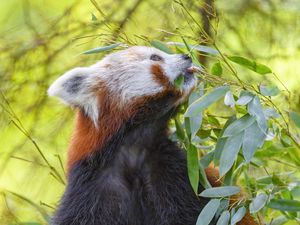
86 138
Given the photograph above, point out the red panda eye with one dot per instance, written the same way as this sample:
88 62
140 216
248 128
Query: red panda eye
155 57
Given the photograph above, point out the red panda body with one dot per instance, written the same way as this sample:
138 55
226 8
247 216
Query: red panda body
122 167
138 178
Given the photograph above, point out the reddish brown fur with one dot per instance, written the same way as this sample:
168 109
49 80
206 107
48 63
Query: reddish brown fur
213 177
87 138
159 75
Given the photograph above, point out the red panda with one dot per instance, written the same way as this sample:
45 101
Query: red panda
122 167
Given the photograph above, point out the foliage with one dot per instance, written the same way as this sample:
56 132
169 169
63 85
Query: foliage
255 125
241 118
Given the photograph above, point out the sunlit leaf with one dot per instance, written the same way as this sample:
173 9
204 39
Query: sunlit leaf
208 212
228 99
230 151
217 192
101 49
251 65
238 216
284 205
239 125
205 101
253 139
216 69
203 133
224 218
213 120
258 203
161 46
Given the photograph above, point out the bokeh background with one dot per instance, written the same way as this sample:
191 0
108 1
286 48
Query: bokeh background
41 39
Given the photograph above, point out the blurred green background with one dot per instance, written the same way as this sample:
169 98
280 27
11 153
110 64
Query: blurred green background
41 39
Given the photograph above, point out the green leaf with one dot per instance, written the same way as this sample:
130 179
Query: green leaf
94 18
195 121
245 98
203 133
205 101
238 216
269 90
219 149
230 152
296 192
221 141
206 49
216 69
179 129
279 220
270 113
101 49
224 218
179 81
217 192
253 139
296 118
161 46
258 202
224 204
286 140
228 99
208 212
200 48
239 125
255 109
207 159
251 65
193 167
284 205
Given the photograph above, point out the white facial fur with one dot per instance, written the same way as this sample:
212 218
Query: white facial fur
127 74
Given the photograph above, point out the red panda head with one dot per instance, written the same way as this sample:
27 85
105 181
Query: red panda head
116 89
125 76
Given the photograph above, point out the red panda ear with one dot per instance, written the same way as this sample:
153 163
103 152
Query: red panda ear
75 88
